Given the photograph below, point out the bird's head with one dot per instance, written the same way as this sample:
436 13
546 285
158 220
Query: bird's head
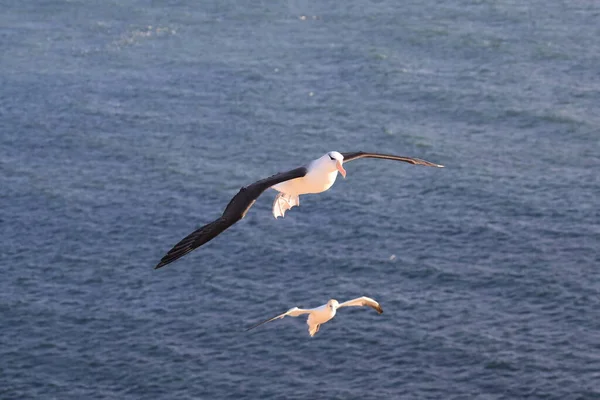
333 304
334 161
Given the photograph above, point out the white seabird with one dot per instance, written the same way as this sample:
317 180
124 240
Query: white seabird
315 177
318 316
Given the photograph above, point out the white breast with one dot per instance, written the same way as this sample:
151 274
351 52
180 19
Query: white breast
321 315
314 182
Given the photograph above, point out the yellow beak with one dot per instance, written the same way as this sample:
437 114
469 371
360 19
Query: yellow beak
339 167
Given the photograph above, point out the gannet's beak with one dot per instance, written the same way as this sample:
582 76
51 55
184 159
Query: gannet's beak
338 165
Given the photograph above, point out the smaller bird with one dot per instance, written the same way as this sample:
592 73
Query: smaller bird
320 315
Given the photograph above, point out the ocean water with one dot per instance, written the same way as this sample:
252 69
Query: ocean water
125 125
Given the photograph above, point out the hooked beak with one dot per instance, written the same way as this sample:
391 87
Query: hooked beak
338 165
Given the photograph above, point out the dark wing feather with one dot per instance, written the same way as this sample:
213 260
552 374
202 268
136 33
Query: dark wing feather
376 307
195 240
241 202
267 320
235 210
361 154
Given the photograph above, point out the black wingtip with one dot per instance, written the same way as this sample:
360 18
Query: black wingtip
161 264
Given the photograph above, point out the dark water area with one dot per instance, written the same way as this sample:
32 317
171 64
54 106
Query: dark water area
126 125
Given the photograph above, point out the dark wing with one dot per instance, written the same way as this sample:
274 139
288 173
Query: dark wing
235 210
267 320
361 154
195 240
241 202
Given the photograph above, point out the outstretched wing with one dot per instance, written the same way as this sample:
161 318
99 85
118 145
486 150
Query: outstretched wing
241 202
236 209
292 312
195 240
361 154
362 301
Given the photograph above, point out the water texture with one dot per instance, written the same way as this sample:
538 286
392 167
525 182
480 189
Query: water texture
125 125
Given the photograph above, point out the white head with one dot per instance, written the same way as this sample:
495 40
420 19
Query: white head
333 161
333 304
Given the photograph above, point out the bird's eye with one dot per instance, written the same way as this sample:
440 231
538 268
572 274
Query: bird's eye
331 157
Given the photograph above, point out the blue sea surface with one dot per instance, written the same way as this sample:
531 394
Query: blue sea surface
125 125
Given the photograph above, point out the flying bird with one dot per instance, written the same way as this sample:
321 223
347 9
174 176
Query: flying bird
315 177
318 316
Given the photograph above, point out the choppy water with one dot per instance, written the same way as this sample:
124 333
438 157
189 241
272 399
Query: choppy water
125 125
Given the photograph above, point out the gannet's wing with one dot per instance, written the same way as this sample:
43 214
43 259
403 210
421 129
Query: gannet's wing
362 301
292 312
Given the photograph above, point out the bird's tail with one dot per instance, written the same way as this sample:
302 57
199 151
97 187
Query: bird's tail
284 202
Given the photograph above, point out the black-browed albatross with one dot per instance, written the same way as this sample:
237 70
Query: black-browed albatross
315 177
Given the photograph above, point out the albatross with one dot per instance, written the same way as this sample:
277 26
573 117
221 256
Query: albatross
318 316
315 177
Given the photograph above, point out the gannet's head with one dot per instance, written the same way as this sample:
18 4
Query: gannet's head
334 161
333 304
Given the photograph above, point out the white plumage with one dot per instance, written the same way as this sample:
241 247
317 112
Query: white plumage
319 315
